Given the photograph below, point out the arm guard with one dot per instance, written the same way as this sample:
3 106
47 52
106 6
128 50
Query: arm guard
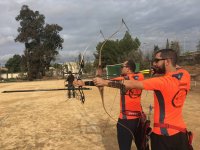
119 85
89 83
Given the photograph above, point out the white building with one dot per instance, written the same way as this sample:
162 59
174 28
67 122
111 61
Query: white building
71 66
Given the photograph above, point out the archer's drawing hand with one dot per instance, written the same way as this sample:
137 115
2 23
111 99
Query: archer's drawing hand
78 83
99 82
153 70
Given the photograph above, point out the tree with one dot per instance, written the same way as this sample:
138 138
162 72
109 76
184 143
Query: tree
13 64
128 47
117 51
198 46
109 53
197 58
51 42
156 48
167 44
175 46
42 42
134 52
88 68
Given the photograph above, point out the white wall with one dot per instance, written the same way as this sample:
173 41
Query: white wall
10 75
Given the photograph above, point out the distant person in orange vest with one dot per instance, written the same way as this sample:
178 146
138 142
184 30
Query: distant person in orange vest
131 112
170 90
70 86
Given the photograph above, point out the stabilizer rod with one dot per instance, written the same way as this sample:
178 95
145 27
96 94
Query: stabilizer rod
43 90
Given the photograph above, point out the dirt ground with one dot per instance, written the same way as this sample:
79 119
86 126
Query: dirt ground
50 121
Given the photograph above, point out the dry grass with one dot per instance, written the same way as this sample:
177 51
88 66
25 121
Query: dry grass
48 120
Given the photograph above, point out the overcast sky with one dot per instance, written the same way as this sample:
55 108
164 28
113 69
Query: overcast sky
152 21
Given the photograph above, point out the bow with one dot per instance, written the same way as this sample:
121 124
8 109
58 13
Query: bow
80 72
99 73
99 70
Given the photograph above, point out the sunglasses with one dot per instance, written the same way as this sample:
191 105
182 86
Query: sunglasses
156 60
124 66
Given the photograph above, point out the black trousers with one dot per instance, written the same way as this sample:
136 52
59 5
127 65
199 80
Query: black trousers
124 136
71 89
178 141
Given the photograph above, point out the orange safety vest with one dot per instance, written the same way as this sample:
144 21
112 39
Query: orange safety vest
130 101
170 93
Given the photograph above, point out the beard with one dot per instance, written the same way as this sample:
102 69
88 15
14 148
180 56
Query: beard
159 70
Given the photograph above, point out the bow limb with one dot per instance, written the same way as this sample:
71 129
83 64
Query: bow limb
99 73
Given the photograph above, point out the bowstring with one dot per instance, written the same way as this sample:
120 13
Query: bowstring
101 89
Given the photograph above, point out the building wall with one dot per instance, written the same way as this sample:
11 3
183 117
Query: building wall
9 75
71 66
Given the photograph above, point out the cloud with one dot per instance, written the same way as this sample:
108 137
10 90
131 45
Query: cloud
151 21
5 58
5 40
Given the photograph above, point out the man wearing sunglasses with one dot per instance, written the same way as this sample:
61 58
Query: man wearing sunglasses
130 110
170 90
131 115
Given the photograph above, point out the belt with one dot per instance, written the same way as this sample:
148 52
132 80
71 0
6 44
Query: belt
165 125
131 113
